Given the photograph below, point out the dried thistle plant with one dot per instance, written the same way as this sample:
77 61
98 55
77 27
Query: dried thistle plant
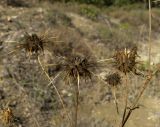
114 80
76 68
33 43
125 60
7 116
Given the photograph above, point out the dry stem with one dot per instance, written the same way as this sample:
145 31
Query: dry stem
77 100
115 98
134 105
150 30
126 98
58 93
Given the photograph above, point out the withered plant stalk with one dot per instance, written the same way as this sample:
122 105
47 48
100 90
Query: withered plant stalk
77 68
126 98
115 98
77 100
144 86
134 105
150 30
58 93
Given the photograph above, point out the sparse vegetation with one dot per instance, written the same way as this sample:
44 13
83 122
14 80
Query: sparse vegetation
57 18
87 59
90 12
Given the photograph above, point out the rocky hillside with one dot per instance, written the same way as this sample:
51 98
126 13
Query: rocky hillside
84 30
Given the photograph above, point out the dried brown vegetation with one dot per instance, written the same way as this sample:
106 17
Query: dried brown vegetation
125 60
33 43
75 69
65 66
113 79
7 116
78 66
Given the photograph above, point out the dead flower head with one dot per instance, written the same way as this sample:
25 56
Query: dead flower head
77 66
33 43
7 116
113 79
125 60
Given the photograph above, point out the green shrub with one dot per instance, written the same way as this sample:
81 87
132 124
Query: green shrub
90 12
108 2
122 2
97 2
102 2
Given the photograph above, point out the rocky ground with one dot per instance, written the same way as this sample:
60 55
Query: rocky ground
24 86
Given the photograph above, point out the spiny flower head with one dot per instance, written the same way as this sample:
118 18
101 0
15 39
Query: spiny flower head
113 79
7 115
125 60
33 43
77 66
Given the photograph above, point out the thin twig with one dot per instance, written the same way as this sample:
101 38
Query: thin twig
115 98
150 30
58 93
126 98
144 86
77 100
47 65
12 51
134 105
98 77
51 82
128 115
105 60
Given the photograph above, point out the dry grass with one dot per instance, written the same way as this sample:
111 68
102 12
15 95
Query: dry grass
73 69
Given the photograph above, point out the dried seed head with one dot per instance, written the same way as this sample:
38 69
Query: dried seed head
125 60
33 43
113 79
7 115
77 66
